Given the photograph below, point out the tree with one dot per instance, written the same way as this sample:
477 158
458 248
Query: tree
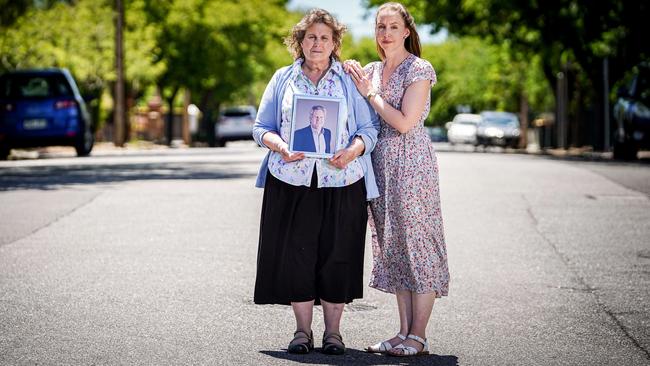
363 50
214 48
473 73
80 37
561 32
12 10
482 76
220 50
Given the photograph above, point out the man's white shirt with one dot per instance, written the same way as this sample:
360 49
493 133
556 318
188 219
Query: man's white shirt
319 140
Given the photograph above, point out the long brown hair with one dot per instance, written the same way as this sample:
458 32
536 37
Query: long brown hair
295 38
412 42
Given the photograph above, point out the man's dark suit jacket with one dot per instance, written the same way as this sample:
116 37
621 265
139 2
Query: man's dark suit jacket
304 140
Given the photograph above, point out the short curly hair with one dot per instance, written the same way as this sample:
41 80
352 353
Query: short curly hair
295 38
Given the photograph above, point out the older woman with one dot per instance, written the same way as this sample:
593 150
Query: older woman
409 252
314 210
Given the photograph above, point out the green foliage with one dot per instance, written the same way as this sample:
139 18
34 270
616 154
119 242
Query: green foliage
221 50
462 68
363 50
80 37
578 31
474 73
73 40
12 10
142 68
217 49
569 36
225 51
274 56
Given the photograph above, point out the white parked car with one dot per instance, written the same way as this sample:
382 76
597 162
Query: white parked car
235 123
462 129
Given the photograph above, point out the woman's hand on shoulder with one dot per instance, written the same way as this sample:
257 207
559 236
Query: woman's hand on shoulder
347 65
359 76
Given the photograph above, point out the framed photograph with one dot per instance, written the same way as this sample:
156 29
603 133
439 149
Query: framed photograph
316 125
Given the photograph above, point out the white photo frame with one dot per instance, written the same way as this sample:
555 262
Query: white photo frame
330 112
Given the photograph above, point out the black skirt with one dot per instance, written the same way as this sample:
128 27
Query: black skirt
311 243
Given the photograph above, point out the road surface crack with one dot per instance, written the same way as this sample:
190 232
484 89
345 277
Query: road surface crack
585 287
57 219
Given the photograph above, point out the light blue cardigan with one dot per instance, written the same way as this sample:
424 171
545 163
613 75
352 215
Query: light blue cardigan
362 122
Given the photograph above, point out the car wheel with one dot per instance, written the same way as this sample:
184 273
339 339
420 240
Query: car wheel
625 151
4 152
85 144
220 143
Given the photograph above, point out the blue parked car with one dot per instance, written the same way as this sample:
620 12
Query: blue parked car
632 114
43 108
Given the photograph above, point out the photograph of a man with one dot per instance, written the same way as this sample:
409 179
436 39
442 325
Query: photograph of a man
315 137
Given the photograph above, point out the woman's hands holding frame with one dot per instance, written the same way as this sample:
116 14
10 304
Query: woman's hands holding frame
343 157
276 143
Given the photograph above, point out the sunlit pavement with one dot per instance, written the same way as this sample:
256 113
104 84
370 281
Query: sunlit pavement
147 256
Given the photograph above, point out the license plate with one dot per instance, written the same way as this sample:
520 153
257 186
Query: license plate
35 124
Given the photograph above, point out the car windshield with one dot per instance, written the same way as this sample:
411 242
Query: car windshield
643 86
502 121
471 123
236 113
34 86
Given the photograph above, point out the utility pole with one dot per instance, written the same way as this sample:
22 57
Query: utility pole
187 99
562 108
119 108
606 101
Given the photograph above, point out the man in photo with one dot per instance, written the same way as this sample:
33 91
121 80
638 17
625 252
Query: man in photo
314 138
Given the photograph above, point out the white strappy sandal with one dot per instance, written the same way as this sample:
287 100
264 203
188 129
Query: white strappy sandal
383 347
405 351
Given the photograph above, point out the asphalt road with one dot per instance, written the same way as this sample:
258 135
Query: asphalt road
149 258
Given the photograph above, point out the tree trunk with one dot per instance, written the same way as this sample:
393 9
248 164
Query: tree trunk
551 77
209 109
170 117
187 99
561 110
119 108
523 115
597 105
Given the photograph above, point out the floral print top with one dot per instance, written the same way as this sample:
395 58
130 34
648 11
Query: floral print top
299 173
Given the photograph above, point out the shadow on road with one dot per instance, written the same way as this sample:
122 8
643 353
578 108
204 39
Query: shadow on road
358 357
643 160
594 159
53 177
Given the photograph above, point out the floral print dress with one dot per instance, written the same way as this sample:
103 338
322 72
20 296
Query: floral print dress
408 243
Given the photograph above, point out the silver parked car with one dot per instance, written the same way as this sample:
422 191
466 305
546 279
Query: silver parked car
498 129
462 129
235 123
